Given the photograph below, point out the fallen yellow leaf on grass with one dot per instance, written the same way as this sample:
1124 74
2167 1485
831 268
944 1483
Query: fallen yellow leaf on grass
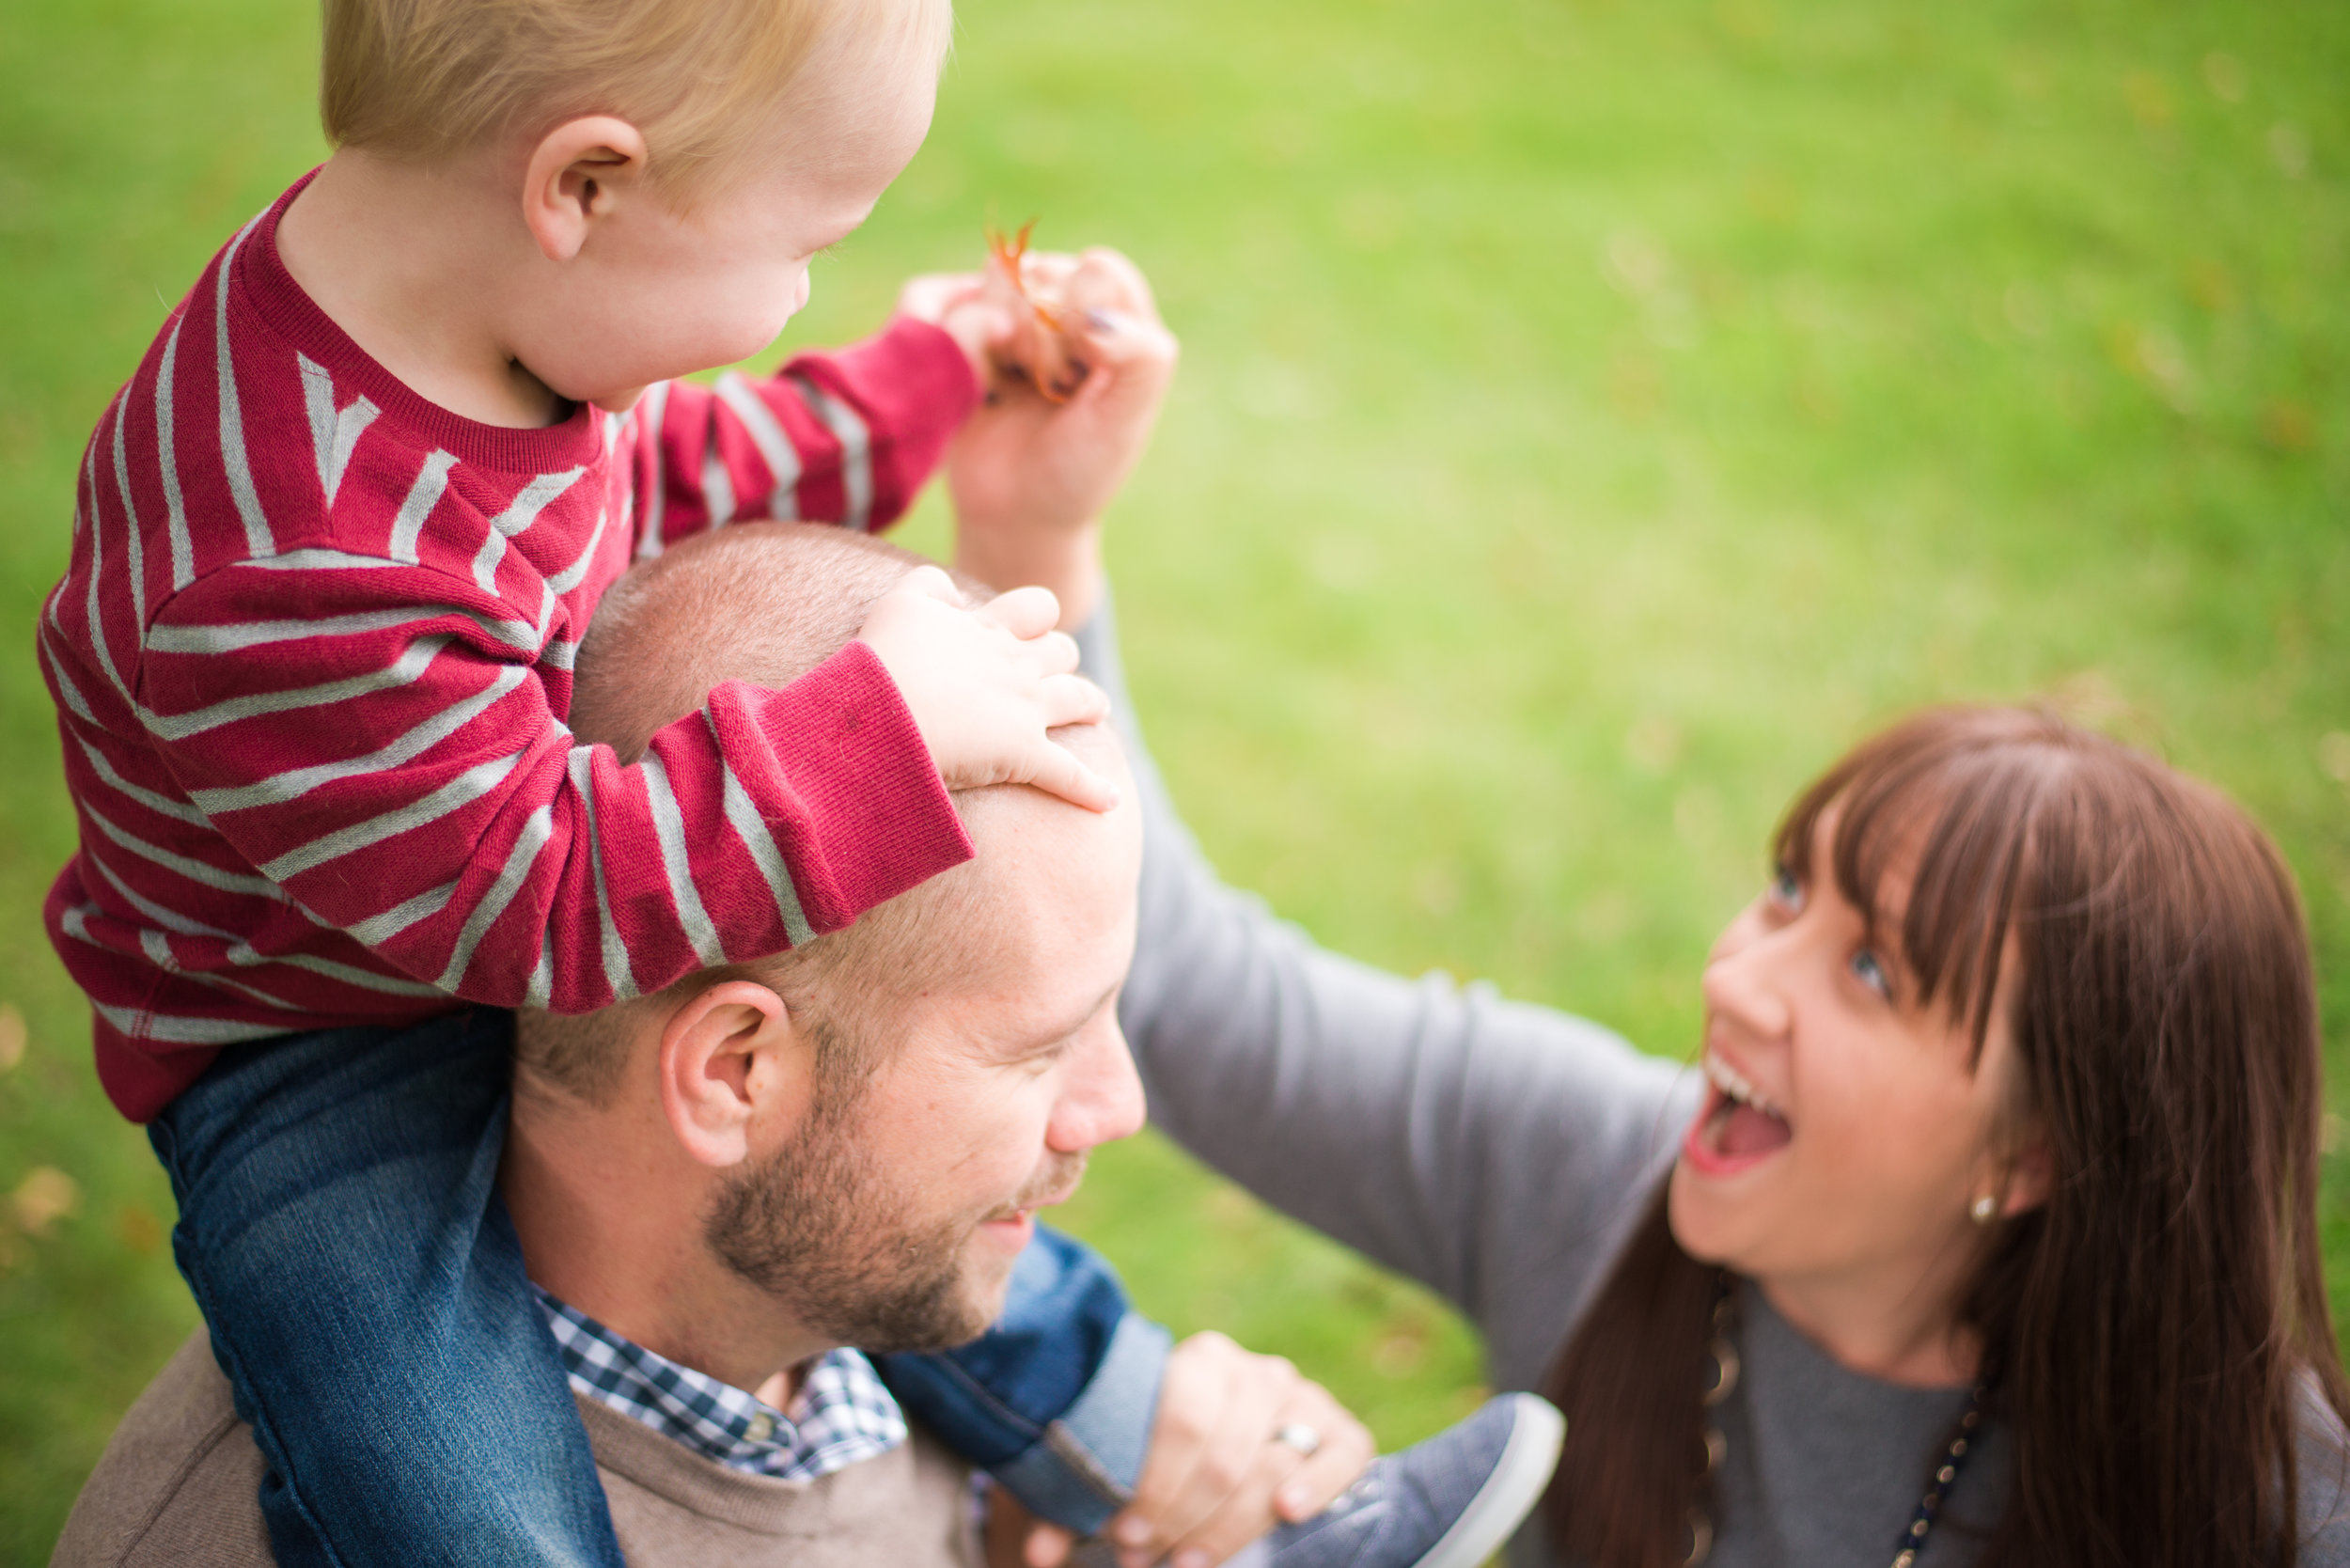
43 1199
141 1232
11 1037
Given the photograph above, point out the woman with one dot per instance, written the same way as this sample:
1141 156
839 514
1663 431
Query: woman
1987 1233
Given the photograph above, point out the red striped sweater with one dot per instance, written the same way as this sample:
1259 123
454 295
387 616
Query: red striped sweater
312 658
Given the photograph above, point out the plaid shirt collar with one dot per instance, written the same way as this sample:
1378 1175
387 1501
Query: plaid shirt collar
844 1414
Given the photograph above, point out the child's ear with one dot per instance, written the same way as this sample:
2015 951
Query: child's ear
578 173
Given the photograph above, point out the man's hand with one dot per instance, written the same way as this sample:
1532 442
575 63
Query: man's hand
985 684
1215 1478
1030 477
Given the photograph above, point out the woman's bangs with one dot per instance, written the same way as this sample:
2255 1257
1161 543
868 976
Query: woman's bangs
1945 801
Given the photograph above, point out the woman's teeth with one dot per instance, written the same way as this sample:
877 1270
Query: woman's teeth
1735 1087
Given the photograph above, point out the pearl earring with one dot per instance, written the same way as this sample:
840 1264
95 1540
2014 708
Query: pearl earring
1984 1209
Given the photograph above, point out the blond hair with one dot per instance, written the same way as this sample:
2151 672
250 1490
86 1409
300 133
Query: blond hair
433 78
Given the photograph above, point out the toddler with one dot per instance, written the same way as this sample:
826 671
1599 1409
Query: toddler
336 545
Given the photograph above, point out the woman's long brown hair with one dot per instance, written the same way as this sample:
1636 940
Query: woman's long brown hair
2160 1325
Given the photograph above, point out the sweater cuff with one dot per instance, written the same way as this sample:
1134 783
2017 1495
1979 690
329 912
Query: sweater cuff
879 815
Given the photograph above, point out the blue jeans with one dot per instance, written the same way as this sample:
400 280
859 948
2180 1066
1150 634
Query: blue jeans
341 1229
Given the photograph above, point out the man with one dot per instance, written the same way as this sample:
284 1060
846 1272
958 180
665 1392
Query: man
720 1186
717 1186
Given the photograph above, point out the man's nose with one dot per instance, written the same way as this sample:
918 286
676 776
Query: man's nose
1101 1099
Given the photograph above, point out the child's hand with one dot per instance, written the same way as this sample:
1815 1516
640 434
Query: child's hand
1030 477
985 684
956 302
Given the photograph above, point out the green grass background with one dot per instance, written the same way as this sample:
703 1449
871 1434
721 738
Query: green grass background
1594 416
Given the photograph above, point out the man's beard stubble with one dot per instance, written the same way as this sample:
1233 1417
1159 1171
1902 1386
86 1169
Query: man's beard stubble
819 1228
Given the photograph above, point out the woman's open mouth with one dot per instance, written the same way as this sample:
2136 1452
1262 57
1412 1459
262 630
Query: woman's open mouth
1736 1127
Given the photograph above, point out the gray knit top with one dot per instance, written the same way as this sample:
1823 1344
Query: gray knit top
1501 1153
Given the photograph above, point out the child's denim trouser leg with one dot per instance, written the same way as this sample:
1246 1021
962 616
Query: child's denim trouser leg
1056 1399
340 1225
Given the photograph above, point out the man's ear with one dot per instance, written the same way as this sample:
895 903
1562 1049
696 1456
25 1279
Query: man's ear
730 1058
577 174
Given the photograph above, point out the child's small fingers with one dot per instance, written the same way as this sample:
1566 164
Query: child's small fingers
1073 700
1054 653
927 296
1025 612
932 582
1057 772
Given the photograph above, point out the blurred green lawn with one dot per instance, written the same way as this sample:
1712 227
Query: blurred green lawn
1594 415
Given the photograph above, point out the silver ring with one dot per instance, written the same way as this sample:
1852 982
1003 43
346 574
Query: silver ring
1298 1435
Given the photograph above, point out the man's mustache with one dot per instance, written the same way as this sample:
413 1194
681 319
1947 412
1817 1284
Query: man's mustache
1054 1184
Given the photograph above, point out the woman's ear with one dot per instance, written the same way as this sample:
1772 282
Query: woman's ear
2029 1179
577 174
733 1065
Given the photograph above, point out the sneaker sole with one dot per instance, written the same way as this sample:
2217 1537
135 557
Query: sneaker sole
1509 1493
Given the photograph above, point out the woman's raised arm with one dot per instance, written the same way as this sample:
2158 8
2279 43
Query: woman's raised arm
1496 1151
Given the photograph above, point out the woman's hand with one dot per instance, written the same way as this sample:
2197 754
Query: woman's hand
956 303
1030 477
1215 1477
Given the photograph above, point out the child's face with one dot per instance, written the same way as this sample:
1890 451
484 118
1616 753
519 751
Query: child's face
656 293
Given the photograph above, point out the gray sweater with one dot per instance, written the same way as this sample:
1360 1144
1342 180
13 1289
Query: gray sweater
1501 1153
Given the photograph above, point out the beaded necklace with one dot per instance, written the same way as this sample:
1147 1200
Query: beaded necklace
1726 1370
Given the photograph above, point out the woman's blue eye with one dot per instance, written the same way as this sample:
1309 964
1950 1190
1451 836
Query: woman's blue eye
1870 973
1786 891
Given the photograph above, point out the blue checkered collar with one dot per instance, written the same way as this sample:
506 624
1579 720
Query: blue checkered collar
843 1415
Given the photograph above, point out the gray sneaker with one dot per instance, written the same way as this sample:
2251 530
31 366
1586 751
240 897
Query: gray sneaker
1448 1502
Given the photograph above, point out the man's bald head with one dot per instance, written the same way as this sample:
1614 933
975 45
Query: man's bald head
765 604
